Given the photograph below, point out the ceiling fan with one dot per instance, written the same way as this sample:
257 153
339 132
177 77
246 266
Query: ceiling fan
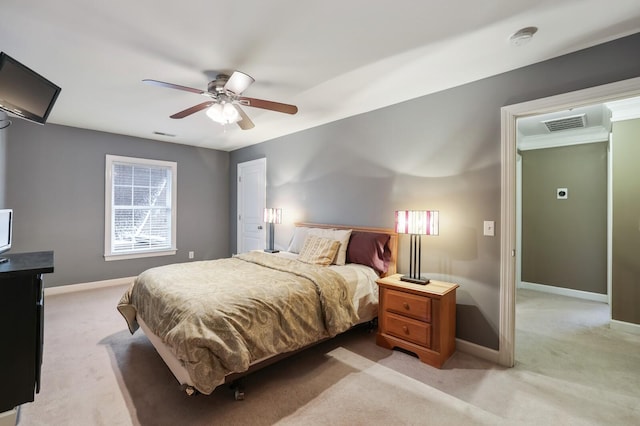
225 100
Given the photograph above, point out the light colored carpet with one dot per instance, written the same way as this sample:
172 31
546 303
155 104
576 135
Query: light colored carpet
571 370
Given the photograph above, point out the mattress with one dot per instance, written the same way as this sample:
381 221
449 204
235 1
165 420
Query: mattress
262 306
361 280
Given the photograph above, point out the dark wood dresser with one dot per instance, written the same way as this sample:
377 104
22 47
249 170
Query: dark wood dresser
21 325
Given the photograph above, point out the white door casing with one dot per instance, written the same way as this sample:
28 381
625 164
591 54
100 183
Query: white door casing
509 115
252 179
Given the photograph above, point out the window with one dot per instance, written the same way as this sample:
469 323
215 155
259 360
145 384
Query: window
140 208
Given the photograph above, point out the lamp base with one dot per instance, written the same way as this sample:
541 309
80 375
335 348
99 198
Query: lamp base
271 251
421 281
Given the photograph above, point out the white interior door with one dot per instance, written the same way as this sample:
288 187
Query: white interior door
252 180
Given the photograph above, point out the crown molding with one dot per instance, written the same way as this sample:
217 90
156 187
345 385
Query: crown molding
565 138
625 109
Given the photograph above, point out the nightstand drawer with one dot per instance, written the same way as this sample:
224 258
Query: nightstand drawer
408 304
408 329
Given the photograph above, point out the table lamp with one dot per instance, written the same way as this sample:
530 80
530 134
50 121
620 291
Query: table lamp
272 216
416 223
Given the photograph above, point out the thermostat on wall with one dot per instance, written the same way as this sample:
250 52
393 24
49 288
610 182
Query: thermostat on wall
562 193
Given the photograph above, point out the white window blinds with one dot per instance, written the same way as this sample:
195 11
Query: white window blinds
140 207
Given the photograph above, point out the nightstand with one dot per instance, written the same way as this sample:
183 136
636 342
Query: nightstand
418 318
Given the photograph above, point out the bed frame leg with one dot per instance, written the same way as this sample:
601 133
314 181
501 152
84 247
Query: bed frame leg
238 390
372 325
189 390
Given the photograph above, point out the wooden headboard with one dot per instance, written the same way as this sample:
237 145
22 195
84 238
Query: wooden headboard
393 240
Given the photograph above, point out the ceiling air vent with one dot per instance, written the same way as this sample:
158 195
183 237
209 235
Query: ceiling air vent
566 123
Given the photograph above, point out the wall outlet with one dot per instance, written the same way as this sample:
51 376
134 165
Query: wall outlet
191 254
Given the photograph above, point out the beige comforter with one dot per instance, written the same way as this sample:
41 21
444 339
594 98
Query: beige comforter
219 316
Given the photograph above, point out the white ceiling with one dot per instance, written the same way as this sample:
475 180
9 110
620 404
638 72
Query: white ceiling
533 134
597 121
333 59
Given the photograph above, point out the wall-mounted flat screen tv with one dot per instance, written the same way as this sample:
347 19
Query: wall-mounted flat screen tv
24 92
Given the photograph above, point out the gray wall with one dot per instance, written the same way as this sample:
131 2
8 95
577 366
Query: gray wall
625 265
55 184
440 151
564 242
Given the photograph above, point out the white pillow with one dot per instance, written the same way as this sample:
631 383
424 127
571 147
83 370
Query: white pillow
297 241
341 235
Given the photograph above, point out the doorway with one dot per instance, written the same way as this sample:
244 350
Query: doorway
509 117
562 202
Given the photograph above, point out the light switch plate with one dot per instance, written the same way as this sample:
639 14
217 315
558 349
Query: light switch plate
489 228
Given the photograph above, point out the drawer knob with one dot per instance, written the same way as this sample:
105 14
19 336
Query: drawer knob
405 329
406 305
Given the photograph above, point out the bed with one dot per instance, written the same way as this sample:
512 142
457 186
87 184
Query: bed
214 321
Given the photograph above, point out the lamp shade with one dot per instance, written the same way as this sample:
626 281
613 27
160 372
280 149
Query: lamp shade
417 222
273 215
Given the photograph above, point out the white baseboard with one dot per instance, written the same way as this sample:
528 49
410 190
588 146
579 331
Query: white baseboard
625 326
9 418
52 291
596 297
483 352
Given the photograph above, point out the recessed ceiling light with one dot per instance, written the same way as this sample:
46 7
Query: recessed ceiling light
523 36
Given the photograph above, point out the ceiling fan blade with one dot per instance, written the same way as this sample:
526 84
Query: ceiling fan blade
238 82
193 109
174 86
245 122
270 105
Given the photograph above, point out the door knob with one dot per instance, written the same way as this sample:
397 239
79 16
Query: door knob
259 226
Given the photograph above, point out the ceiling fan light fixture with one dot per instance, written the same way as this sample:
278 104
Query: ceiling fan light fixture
223 113
224 103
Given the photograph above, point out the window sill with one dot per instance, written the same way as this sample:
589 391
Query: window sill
110 257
